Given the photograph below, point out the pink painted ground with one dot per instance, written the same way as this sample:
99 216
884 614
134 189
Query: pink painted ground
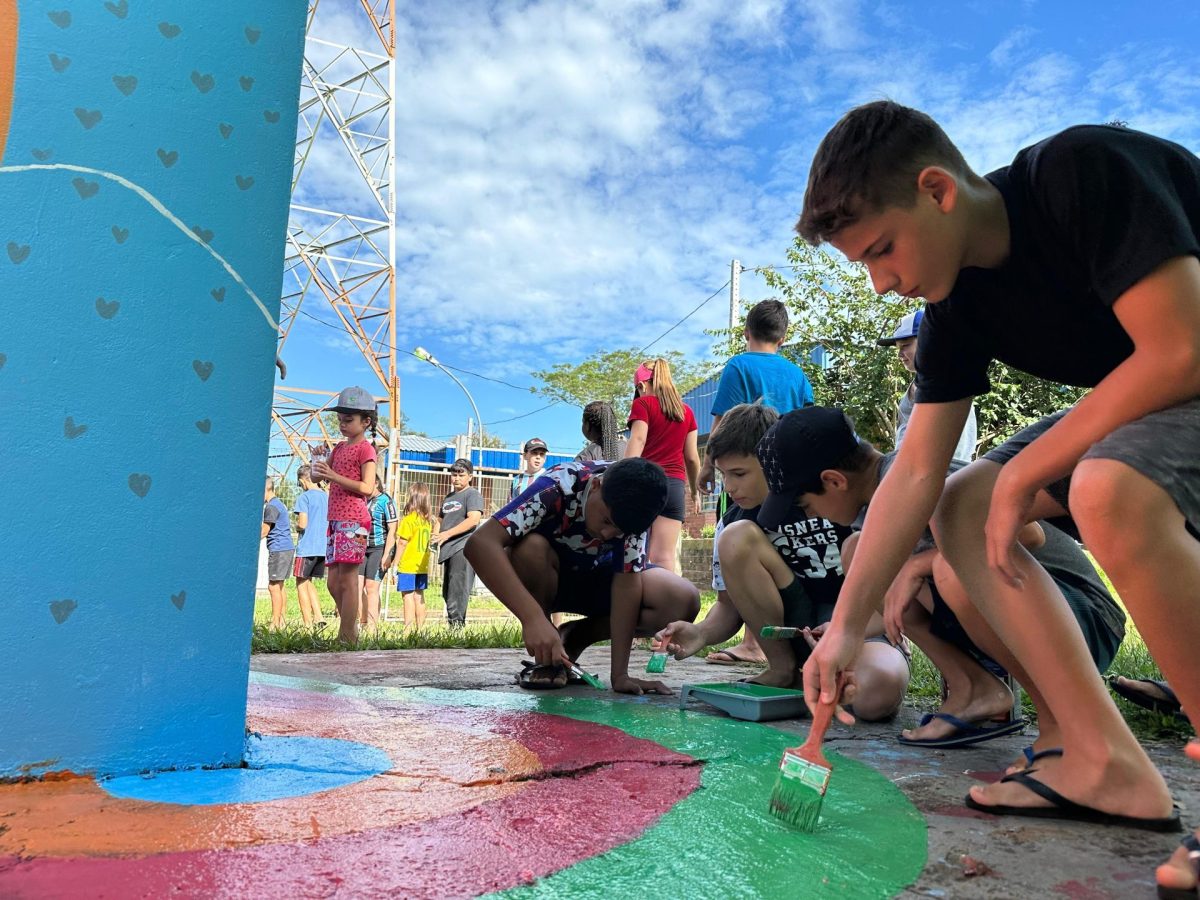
591 788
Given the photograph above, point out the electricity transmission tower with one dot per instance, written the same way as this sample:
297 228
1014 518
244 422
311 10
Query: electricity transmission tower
340 263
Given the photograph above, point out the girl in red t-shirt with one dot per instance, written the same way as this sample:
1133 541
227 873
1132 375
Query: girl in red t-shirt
350 472
663 430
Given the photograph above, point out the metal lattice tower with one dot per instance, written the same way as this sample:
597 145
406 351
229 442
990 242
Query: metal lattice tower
340 263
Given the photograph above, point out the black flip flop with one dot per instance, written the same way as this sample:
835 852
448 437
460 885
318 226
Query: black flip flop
1167 707
966 734
1170 893
525 677
1063 808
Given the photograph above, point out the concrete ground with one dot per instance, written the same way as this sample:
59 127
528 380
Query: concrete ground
1007 857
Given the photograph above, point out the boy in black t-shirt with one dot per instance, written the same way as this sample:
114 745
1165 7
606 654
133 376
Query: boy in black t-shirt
784 573
1077 263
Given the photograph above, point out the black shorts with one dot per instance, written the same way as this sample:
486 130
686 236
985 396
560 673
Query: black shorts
587 592
309 567
371 562
676 507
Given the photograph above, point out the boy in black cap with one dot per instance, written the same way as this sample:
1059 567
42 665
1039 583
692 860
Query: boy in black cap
1077 263
576 542
533 461
829 471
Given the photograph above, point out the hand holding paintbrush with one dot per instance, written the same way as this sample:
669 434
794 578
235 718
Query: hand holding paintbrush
804 775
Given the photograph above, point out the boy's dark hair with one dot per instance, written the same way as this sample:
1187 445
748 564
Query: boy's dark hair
869 161
741 430
635 491
768 321
857 460
303 474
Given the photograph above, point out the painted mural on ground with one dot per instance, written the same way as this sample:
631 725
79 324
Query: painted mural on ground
145 164
486 792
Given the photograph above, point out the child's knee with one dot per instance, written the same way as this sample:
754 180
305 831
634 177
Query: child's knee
881 688
963 508
740 543
1118 510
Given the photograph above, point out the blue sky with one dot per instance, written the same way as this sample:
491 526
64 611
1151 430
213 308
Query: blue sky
575 177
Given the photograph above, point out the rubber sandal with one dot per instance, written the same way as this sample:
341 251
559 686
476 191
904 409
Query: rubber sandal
1168 707
967 734
525 678
1069 810
1170 893
1031 756
734 659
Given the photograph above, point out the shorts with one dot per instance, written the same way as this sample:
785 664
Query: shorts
1098 633
279 564
371 563
800 612
408 582
347 543
587 592
1160 445
676 507
309 567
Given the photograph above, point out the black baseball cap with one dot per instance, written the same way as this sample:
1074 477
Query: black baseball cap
795 451
534 444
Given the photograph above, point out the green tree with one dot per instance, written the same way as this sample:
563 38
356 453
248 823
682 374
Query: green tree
833 306
609 376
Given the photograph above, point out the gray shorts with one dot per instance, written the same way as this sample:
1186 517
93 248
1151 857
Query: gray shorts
279 564
1164 446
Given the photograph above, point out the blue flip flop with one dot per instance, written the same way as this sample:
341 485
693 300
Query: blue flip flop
967 734
1031 757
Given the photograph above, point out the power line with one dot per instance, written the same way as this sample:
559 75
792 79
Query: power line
685 318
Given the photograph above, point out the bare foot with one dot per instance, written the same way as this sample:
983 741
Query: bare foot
1127 787
780 678
738 655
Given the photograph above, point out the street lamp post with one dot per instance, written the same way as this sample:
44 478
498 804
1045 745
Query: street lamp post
423 354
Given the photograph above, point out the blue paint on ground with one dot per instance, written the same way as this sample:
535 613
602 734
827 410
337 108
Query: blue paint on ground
276 768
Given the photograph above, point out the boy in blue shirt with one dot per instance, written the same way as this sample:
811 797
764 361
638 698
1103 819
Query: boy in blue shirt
760 374
280 549
312 509
1077 263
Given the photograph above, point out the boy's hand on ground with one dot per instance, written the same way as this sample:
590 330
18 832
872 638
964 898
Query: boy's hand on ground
543 642
683 639
1012 503
624 684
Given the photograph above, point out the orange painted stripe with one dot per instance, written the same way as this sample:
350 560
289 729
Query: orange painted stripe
8 65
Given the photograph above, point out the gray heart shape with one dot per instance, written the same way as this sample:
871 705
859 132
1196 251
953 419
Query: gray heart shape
59 63
168 157
120 235
62 609
85 188
203 233
18 253
205 425
107 308
253 34
139 483
218 294
226 130
88 117
168 30
244 184
271 116
203 368
120 10
61 18
71 430
126 84
179 599
204 83
42 155
246 82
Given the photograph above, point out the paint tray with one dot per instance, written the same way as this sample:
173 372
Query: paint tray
752 702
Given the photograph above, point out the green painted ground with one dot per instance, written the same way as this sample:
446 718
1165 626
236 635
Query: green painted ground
720 841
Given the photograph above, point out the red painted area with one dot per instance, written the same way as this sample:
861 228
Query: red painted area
593 789
1078 890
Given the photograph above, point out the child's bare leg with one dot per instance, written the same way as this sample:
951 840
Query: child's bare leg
1139 537
410 609
275 589
370 612
349 592
881 677
755 573
664 538
304 591
1104 767
536 564
666 598
419 608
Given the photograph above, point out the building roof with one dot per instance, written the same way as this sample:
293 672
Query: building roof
421 444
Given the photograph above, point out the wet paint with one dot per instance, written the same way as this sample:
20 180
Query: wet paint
275 768
486 792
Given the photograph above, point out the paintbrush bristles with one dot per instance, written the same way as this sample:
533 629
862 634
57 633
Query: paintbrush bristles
799 791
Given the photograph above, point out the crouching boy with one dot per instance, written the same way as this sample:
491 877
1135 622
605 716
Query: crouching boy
774 564
575 541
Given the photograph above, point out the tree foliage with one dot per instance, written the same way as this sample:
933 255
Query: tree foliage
609 376
833 306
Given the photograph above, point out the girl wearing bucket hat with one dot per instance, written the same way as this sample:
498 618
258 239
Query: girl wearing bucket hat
663 430
350 472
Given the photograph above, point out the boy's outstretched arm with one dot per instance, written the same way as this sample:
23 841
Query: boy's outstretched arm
485 552
899 512
626 606
1161 314
684 639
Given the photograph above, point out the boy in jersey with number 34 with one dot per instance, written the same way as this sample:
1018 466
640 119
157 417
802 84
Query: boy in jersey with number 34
786 573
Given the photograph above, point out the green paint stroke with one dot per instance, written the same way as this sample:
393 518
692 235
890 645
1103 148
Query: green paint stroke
720 841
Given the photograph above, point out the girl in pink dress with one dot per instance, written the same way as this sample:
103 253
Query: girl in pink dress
350 472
